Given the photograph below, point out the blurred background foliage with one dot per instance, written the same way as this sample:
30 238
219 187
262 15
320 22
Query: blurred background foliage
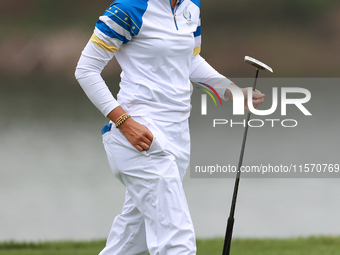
298 38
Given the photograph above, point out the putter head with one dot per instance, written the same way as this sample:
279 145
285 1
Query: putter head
257 64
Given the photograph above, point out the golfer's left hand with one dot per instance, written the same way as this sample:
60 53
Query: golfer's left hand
258 98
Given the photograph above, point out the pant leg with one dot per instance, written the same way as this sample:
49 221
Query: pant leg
127 235
153 181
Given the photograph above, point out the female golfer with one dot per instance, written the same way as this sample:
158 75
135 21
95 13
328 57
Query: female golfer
157 44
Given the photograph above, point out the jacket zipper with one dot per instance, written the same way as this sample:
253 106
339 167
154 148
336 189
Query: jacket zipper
174 14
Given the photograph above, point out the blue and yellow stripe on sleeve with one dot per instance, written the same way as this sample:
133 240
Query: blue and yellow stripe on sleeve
197 35
102 44
122 20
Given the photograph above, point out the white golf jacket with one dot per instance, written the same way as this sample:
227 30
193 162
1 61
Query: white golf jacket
158 48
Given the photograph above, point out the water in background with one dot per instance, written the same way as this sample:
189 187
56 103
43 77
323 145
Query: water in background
55 182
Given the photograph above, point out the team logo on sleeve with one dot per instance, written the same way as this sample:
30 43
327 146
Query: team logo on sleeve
187 16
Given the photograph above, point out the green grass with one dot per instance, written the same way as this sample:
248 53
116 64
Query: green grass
299 246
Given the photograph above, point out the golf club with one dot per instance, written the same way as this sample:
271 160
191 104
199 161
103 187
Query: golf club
229 231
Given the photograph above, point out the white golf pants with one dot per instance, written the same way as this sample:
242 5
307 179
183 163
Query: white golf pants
155 216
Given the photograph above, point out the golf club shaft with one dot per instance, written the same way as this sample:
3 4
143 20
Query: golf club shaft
230 224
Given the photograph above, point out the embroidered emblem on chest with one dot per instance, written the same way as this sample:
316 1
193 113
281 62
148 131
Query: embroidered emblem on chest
187 16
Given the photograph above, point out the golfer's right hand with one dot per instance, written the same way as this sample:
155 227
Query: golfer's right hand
258 98
137 134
